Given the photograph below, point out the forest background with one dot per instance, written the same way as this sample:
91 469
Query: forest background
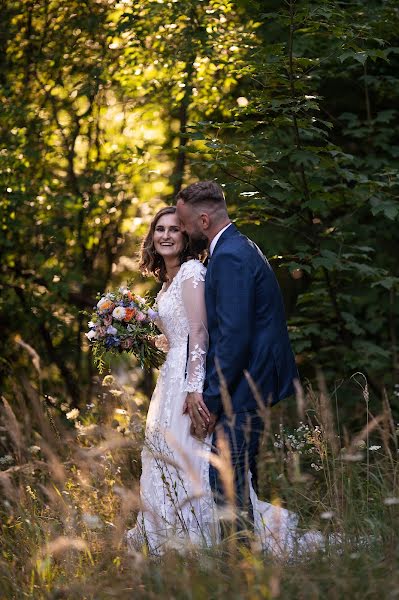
109 108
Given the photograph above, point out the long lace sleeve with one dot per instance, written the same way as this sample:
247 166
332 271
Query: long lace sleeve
193 295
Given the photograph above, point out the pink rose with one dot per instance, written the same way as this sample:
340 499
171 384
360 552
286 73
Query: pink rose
107 320
140 316
126 344
101 331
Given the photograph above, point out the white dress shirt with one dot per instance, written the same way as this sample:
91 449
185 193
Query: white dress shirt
216 239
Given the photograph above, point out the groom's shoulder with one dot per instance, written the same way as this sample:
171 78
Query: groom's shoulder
235 252
240 245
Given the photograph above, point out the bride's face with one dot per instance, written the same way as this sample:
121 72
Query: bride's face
168 238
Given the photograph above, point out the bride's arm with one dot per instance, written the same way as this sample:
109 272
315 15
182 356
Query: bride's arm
193 295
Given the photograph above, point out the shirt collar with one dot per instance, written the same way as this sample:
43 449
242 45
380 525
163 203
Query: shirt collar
216 239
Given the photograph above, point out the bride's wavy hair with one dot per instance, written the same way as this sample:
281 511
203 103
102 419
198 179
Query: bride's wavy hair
152 263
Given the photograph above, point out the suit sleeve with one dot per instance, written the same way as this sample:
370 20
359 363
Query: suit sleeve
235 310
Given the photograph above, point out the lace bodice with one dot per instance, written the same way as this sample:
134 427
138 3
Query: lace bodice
182 318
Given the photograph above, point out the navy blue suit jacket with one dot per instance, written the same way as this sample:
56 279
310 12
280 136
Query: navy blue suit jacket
247 326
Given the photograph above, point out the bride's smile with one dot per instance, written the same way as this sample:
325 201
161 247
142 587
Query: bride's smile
168 237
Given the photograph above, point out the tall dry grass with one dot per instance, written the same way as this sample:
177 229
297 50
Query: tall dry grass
69 491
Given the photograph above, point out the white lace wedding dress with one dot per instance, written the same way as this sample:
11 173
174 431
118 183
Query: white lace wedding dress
177 504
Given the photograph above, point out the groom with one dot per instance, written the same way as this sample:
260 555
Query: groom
247 333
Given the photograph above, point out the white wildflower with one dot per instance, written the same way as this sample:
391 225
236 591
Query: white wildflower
72 414
316 467
374 448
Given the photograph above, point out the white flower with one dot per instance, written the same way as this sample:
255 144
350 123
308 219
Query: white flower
91 324
91 335
72 414
373 448
112 330
124 291
119 313
34 449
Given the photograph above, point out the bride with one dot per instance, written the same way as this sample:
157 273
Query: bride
178 509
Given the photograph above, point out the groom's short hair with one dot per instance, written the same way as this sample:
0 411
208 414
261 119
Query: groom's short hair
203 192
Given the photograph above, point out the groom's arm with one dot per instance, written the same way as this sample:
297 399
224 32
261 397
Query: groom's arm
235 309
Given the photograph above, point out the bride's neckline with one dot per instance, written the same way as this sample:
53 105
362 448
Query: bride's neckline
166 287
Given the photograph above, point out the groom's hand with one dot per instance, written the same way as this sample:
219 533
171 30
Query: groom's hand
212 423
197 410
200 434
203 432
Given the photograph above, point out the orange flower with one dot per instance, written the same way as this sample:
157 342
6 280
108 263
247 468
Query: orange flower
105 304
130 296
130 312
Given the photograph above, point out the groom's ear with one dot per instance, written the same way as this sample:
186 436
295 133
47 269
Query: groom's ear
204 217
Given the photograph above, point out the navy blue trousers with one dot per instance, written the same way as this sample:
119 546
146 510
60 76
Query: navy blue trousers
243 435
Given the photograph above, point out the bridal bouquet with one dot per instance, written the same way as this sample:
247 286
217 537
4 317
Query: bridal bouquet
124 321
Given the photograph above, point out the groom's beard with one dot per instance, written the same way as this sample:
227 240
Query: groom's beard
199 244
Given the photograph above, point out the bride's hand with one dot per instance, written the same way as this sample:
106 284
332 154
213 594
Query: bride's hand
195 406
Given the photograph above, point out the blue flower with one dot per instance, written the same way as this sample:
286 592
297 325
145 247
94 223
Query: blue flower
112 341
